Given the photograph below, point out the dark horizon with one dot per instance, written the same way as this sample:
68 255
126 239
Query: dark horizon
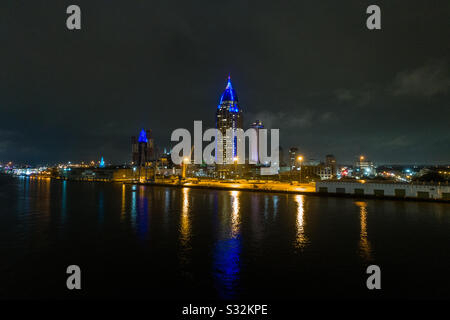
311 69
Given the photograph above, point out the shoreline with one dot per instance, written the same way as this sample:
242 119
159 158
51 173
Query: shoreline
280 188
310 193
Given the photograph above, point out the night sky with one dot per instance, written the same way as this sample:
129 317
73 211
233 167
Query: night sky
310 68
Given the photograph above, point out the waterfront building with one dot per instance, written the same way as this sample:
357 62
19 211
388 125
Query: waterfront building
316 172
293 154
362 188
363 168
228 116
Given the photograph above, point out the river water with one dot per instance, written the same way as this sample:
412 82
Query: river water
134 241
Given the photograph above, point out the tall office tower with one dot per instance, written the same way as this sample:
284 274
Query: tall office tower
293 153
254 152
330 161
142 148
228 116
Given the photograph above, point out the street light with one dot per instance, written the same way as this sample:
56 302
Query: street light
300 159
235 160
183 167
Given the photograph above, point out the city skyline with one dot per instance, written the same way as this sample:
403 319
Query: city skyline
67 97
225 159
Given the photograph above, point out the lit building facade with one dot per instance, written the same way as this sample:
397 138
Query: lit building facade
228 116
293 154
364 167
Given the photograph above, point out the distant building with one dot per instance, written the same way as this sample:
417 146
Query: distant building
293 154
228 116
363 168
102 163
330 161
281 156
254 153
316 172
142 148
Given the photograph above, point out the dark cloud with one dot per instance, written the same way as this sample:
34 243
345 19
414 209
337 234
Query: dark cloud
428 80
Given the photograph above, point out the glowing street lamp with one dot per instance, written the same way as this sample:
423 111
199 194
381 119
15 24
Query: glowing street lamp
300 159
184 164
235 160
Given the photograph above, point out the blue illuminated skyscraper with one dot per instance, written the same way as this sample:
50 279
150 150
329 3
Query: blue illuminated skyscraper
229 116
142 148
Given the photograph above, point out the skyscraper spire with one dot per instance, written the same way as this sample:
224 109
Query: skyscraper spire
229 116
229 97
102 163
143 136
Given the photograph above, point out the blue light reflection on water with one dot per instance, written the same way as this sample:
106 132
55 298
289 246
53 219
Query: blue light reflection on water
142 217
226 256
231 239
63 201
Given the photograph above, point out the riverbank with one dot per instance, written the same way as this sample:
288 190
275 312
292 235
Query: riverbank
298 188
321 189
280 187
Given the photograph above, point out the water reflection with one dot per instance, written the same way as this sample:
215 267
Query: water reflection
301 239
228 249
133 206
101 208
123 210
235 219
166 201
185 226
64 201
364 244
142 217
275 205
167 196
